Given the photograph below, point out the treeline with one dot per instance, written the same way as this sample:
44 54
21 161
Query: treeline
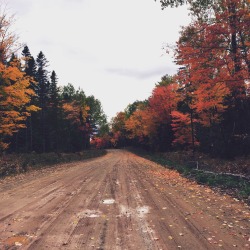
206 105
35 113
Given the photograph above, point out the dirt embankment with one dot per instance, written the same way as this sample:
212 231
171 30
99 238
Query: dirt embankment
119 201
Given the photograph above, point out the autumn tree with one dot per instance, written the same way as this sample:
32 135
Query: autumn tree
148 123
118 130
24 139
8 39
15 89
15 96
207 102
140 127
162 103
84 118
76 111
216 58
184 137
100 142
42 116
131 108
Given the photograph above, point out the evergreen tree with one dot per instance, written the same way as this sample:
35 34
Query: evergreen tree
54 112
30 68
43 98
30 63
23 140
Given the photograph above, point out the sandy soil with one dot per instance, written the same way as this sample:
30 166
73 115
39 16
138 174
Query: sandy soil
118 201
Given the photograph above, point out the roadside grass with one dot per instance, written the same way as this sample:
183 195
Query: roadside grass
12 164
234 185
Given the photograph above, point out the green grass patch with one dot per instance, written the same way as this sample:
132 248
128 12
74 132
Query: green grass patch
12 164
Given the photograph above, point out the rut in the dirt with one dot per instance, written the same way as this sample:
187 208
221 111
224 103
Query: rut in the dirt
119 201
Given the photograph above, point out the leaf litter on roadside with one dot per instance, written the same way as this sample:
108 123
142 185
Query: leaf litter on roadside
209 203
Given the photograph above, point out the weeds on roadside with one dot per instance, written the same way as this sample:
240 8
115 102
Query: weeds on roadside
19 163
233 185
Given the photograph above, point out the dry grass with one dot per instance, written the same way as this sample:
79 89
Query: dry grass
12 164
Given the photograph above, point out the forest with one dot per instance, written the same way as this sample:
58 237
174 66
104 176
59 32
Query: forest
171 171
205 106
36 115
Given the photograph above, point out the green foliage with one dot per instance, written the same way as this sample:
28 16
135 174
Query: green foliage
131 108
165 80
193 3
67 118
172 3
68 92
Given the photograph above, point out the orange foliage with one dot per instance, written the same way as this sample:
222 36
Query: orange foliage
140 124
145 121
215 65
76 113
118 122
100 142
182 129
163 101
209 104
118 128
115 138
15 96
209 51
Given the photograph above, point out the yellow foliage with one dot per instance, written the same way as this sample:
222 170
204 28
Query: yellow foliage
15 96
32 108
77 113
140 124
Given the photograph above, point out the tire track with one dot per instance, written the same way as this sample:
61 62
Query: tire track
76 235
195 227
111 203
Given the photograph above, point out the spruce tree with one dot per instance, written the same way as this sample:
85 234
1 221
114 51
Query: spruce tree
43 98
30 68
23 140
54 113
30 63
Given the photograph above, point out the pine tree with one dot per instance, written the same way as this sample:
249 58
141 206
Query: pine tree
30 63
26 140
54 113
43 98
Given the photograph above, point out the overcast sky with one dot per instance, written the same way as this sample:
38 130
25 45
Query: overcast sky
112 49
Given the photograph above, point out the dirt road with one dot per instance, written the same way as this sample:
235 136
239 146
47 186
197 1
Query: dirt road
119 201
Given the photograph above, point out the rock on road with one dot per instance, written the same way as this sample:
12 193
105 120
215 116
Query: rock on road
118 201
